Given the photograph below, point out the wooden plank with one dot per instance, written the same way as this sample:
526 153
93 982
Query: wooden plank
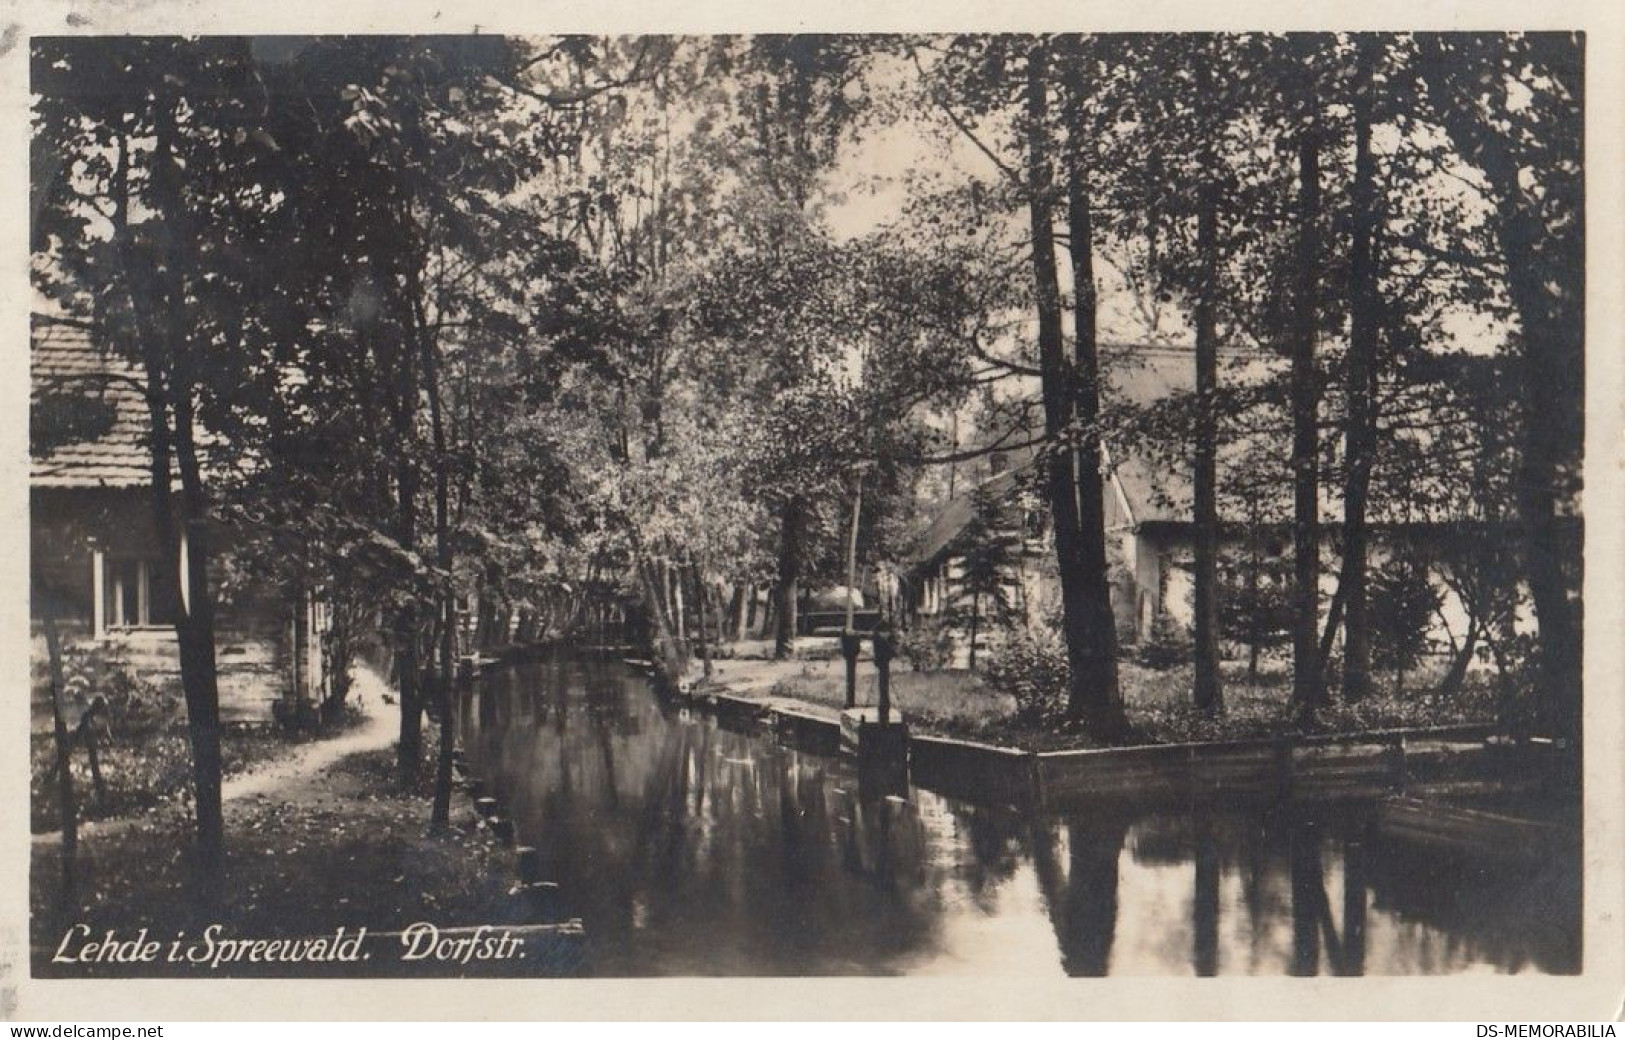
973 770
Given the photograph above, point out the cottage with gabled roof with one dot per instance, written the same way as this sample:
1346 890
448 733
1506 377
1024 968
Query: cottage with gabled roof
1148 515
99 572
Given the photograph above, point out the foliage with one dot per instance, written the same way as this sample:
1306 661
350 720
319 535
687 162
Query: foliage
988 551
359 854
128 704
149 770
1403 603
1255 598
586 303
1168 645
1031 668
927 644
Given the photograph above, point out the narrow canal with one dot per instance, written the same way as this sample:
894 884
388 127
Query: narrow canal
690 849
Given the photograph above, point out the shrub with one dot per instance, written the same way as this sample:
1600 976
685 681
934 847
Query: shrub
1169 644
133 705
926 645
1031 669
1403 601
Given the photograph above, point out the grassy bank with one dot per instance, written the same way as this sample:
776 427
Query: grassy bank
343 845
1158 701
145 771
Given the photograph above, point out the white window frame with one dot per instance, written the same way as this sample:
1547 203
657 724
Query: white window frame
107 577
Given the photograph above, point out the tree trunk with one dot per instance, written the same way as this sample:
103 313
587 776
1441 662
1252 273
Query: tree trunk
1308 692
702 615
440 814
194 630
1360 388
975 624
790 532
1099 654
1089 697
666 646
679 604
1255 627
1208 692
1545 265
736 611
409 750
67 808
162 341
1463 660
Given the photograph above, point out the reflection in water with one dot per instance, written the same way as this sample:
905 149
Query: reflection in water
1205 904
689 848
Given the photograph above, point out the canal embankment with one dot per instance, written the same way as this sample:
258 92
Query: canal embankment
801 701
714 834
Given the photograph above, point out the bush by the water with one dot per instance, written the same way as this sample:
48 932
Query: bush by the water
1032 669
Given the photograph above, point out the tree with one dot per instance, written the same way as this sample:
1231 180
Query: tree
1512 105
1256 586
1360 378
164 261
1404 601
1181 118
1308 691
1093 693
1095 661
988 554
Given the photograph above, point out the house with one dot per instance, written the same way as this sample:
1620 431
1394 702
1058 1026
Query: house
1148 517
99 572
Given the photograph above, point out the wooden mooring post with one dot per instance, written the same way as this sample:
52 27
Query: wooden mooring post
877 735
851 645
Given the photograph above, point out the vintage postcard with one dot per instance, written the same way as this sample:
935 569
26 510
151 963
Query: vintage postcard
1069 516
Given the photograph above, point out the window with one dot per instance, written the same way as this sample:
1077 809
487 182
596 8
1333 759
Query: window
137 593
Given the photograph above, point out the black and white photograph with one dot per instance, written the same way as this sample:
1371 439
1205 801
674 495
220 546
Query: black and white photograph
836 504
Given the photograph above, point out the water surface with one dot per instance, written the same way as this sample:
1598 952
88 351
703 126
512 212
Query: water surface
691 849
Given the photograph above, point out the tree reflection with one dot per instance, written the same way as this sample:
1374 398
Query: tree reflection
1308 895
1082 901
688 847
1205 904
1312 922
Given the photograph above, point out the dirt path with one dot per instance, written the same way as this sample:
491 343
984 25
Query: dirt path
282 777
277 778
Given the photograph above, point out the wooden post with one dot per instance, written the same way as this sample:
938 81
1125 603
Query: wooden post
529 862
143 581
852 554
851 644
87 733
883 654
